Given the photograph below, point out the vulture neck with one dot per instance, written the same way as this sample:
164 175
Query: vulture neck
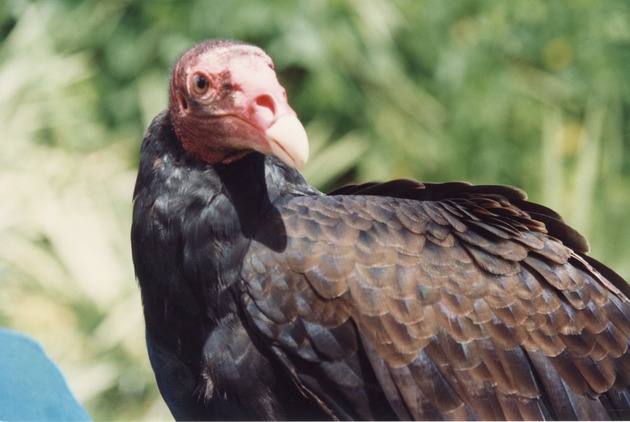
203 216
251 185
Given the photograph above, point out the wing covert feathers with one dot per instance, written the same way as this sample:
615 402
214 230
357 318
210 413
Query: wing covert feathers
465 305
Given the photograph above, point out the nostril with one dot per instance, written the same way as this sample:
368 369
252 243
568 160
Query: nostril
263 111
266 101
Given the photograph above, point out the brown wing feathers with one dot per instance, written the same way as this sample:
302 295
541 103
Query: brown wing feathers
458 303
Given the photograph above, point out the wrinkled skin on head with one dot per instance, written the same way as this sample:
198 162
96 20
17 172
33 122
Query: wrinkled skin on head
226 101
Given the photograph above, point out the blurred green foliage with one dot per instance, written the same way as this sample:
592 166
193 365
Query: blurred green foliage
530 93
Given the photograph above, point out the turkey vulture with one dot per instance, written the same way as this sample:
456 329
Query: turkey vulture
266 299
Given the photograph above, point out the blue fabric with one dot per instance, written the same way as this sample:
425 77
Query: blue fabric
31 386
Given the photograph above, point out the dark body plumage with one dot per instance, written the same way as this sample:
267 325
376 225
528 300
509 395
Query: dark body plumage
265 299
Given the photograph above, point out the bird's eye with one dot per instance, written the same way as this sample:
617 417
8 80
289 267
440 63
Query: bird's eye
200 84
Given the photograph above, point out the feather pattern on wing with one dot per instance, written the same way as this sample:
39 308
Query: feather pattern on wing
458 299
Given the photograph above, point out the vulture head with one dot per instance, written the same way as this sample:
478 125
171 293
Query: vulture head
226 101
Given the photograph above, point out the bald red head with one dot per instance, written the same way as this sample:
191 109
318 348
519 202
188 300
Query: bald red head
226 101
